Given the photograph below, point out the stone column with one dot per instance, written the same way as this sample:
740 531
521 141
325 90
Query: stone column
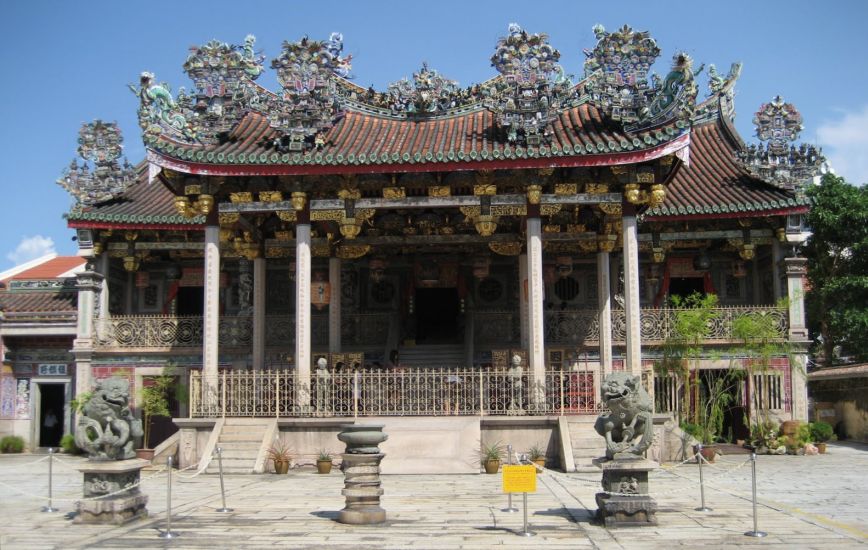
604 300
89 283
104 287
335 305
211 313
777 256
797 269
302 311
536 348
522 299
259 290
631 291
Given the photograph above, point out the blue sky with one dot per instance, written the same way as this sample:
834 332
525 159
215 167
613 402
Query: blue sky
68 62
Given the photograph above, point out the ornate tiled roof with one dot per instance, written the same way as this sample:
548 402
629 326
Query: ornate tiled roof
715 183
580 136
13 302
142 204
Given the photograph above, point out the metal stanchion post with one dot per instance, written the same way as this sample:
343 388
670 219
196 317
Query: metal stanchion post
50 508
168 534
509 507
756 532
703 507
526 533
222 487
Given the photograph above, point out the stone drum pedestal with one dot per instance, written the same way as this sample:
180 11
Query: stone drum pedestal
626 501
361 466
104 478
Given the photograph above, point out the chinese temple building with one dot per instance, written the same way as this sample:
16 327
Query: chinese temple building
485 252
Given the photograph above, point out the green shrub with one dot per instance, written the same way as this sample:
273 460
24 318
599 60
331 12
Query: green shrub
12 444
821 432
67 443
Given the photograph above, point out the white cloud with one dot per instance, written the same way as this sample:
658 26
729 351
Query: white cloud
31 248
845 144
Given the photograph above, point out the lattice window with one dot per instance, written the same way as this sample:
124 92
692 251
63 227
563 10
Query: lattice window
769 389
667 394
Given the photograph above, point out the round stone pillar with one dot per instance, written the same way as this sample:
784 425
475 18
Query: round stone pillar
361 466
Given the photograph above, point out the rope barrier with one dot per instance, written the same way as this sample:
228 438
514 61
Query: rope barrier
16 466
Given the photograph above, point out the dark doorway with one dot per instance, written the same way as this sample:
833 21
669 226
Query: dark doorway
51 405
729 381
685 286
162 426
191 300
437 315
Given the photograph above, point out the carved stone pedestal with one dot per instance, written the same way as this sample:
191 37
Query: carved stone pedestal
626 501
107 477
361 466
362 489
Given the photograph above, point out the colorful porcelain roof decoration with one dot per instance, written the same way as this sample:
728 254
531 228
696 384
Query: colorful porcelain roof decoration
532 88
100 143
430 92
780 161
309 103
222 75
616 73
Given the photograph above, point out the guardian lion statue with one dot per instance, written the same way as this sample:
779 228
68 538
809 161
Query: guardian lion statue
107 429
628 426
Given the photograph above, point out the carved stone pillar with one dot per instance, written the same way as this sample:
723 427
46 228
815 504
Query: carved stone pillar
302 313
604 300
335 305
631 291
536 347
522 299
89 283
211 315
103 310
259 267
776 269
797 269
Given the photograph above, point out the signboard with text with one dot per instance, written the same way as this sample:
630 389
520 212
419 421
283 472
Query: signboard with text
519 479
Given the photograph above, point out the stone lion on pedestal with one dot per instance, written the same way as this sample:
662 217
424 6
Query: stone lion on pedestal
107 429
628 426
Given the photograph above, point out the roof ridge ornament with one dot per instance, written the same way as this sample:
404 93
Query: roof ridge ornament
532 87
616 73
724 88
430 92
780 162
309 104
100 143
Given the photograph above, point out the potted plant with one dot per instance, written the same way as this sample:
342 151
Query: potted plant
537 456
491 457
715 395
154 402
821 432
324 462
280 455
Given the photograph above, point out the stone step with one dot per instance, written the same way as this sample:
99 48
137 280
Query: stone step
241 437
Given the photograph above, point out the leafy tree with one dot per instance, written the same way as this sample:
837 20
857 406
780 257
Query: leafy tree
837 251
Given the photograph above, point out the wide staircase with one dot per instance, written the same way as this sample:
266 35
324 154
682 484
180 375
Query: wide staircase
433 355
241 440
586 443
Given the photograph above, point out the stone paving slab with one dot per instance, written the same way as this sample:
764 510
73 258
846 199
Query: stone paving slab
805 502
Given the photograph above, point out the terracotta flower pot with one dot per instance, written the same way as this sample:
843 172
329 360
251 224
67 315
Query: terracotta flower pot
145 454
281 466
821 448
541 462
491 466
708 452
323 466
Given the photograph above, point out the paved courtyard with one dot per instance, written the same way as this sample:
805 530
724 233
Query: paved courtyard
805 502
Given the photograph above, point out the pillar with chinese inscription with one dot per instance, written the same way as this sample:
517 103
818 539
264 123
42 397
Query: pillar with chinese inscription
604 297
302 311
259 313
88 282
522 301
335 305
211 322
797 270
633 352
536 347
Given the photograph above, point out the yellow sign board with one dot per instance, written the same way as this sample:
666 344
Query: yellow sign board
519 479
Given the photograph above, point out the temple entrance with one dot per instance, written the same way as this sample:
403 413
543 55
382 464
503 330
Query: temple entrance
51 408
191 300
437 312
685 286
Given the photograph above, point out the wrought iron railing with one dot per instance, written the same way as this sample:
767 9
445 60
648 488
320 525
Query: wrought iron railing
168 331
496 327
416 392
